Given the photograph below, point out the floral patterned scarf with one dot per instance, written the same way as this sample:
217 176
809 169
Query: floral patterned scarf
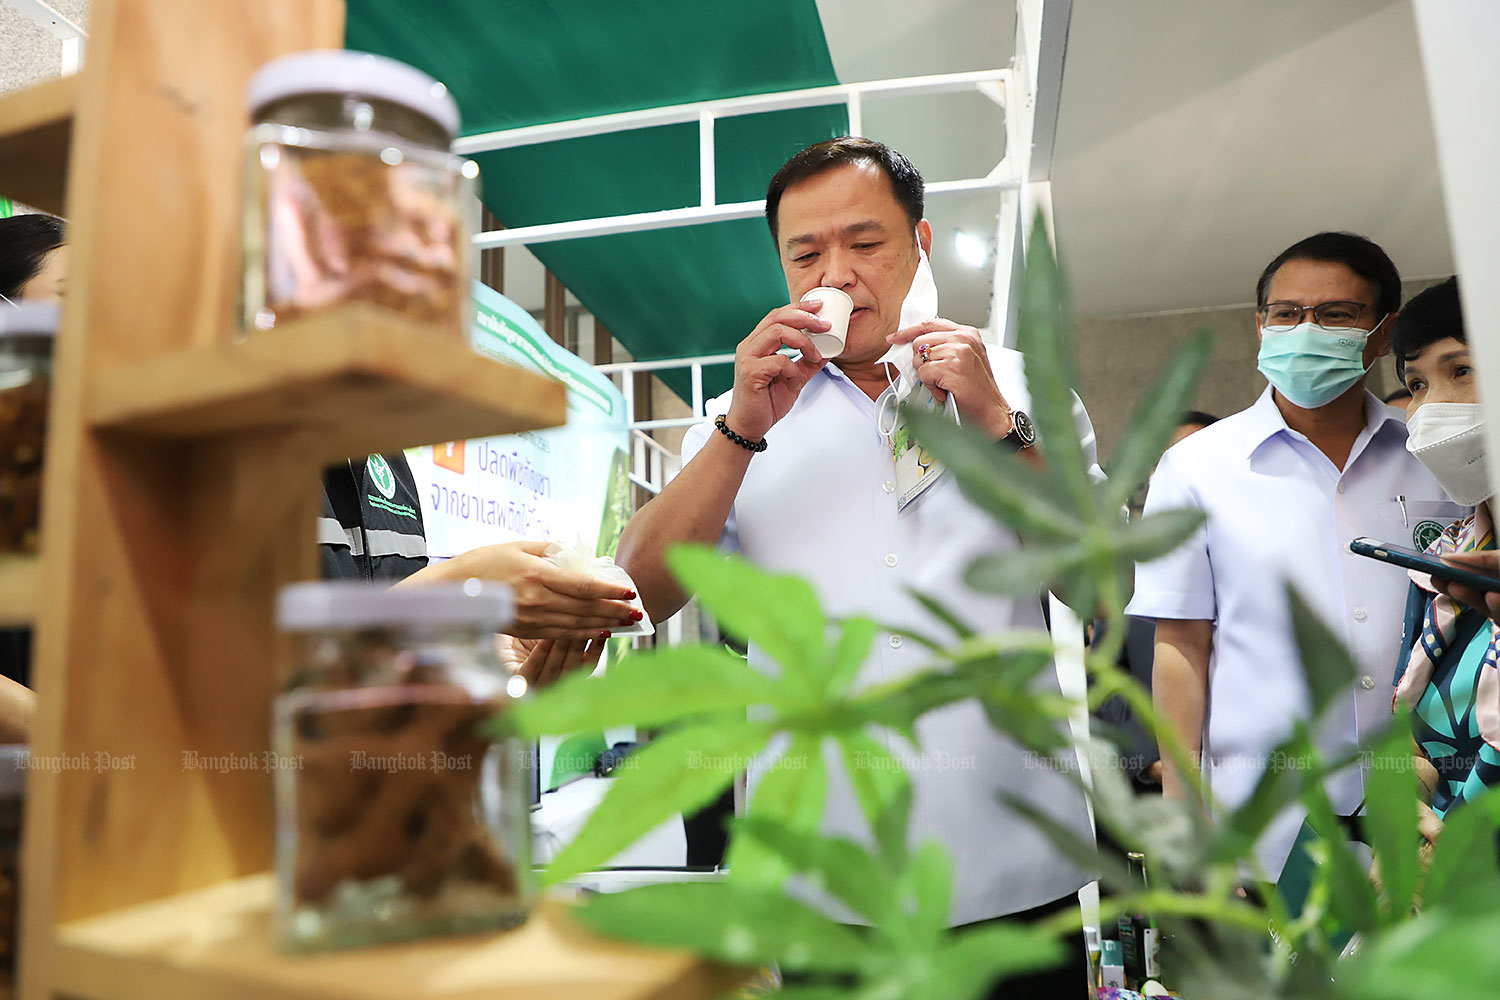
1471 534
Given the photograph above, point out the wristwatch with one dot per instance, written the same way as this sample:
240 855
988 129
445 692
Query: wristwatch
1022 432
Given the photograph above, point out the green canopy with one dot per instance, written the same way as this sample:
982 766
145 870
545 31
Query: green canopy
666 294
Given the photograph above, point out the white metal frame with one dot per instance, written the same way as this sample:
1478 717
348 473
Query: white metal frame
70 34
1030 137
652 464
991 83
626 369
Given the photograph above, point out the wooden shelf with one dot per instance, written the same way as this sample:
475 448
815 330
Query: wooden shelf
18 585
215 944
191 466
360 378
36 132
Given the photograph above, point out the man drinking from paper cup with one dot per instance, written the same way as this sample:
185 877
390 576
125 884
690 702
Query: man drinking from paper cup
804 468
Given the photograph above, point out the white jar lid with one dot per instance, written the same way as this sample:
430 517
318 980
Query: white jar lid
311 607
28 319
337 71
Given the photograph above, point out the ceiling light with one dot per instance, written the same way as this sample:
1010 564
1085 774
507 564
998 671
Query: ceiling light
972 250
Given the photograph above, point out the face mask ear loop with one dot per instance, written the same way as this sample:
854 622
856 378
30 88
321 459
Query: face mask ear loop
887 400
9 302
1370 333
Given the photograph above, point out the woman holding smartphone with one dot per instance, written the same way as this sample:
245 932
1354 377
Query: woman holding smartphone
1449 677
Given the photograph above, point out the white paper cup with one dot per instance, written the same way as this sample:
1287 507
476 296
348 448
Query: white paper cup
837 305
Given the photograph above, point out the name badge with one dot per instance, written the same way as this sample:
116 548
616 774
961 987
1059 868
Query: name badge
917 469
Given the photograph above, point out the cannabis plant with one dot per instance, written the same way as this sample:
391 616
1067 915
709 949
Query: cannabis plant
1227 932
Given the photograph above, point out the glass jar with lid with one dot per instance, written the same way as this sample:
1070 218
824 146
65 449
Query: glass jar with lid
401 809
27 332
351 192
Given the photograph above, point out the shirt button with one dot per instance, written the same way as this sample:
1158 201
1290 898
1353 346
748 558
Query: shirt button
1342 487
896 641
1359 614
888 487
890 559
1367 682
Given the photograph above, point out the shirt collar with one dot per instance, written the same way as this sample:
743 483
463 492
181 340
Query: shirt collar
833 371
854 394
1266 421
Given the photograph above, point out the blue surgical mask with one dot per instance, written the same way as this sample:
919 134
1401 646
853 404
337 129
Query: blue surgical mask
1312 366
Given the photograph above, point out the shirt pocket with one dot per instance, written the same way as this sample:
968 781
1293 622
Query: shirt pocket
1424 521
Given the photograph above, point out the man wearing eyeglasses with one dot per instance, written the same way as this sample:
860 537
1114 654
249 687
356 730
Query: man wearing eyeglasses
1285 485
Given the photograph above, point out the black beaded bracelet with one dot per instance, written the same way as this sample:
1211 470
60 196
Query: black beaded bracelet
743 442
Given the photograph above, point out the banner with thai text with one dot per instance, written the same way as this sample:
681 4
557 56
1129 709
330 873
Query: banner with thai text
568 483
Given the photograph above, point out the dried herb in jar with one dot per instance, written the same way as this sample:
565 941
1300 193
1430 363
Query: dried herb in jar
389 790
350 227
23 433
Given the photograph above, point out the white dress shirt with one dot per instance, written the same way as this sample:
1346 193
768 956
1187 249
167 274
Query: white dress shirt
1279 511
820 502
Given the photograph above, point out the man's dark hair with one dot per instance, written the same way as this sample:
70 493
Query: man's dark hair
906 181
1197 418
25 241
1431 315
1360 255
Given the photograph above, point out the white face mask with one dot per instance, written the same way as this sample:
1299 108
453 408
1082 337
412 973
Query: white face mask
1448 438
919 306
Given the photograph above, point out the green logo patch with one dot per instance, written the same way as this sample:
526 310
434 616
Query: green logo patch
381 475
1425 533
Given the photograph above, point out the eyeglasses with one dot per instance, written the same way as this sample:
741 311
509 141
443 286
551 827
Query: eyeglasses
1279 317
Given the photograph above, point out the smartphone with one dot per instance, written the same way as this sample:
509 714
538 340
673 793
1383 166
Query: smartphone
1412 559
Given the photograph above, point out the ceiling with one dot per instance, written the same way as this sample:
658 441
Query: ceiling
1198 138
1169 187
29 53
